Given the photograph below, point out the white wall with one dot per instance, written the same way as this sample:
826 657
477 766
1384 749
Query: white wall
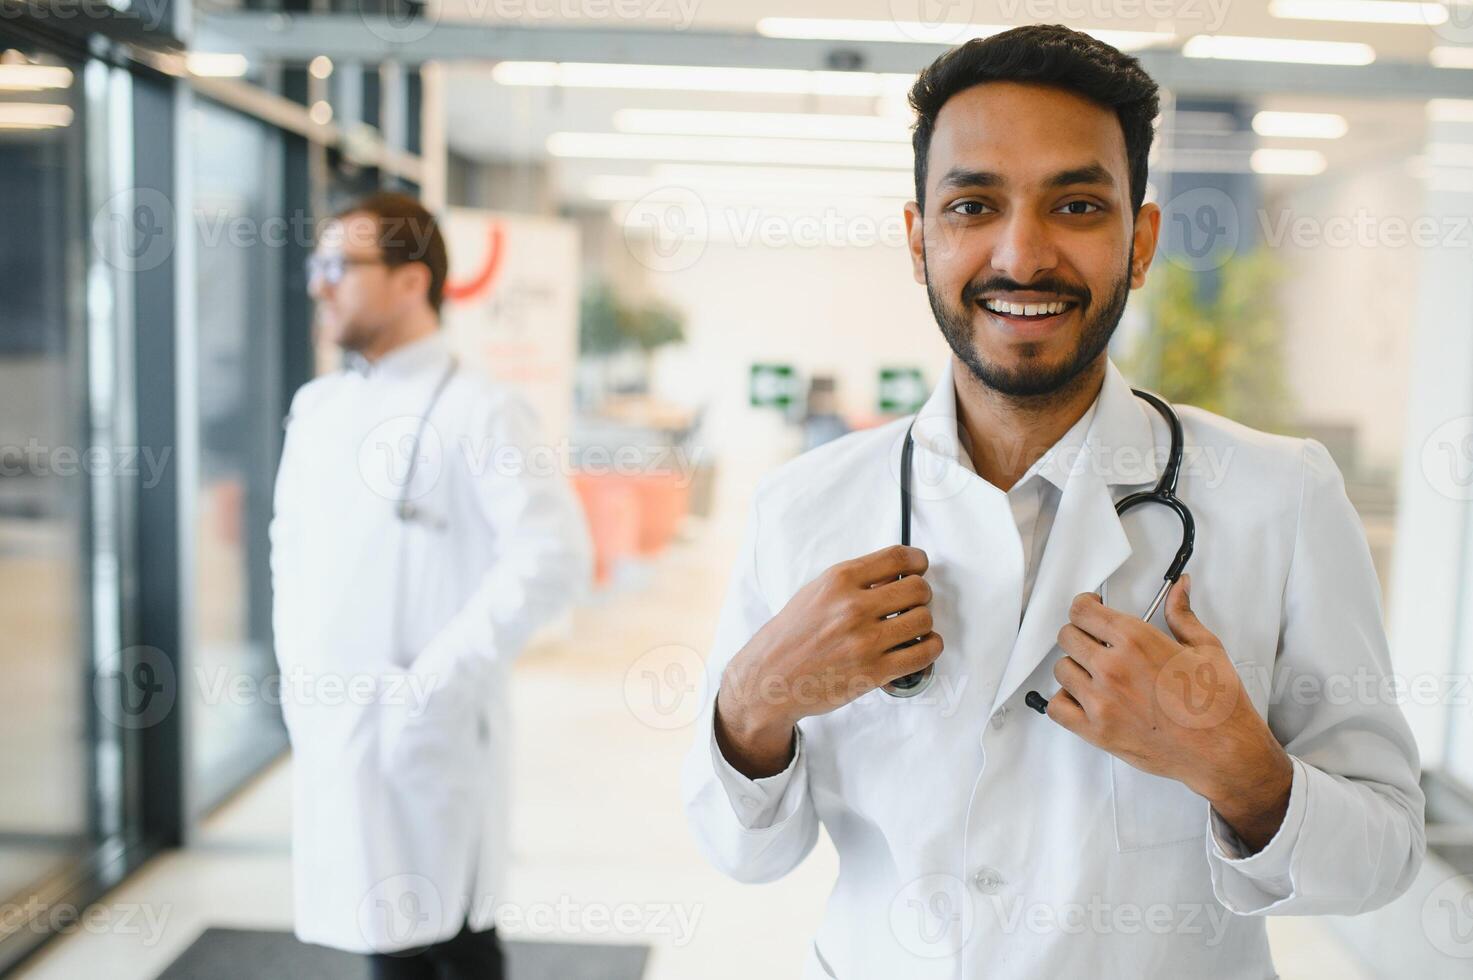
1347 300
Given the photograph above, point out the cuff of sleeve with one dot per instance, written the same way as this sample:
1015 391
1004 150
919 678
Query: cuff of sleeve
759 803
1272 862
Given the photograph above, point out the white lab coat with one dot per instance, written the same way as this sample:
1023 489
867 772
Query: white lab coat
400 796
977 838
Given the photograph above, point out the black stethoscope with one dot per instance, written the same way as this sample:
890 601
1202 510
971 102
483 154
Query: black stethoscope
405 509
1163 493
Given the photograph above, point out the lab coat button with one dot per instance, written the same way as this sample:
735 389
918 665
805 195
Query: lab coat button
750 802
1000 717
987 880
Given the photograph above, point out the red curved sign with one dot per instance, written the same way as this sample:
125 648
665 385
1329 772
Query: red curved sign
485 277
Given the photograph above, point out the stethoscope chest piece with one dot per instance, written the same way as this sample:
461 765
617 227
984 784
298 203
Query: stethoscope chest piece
911 684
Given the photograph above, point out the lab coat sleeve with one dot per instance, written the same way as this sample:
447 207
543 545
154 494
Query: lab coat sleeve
1353 837
754 830
543 557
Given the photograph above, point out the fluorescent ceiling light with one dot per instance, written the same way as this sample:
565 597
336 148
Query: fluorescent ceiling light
1305 163
696 78
1301 125
803 125
1284 49
1361 11
717 182
1448 56
839 29
728 149
1450 110
613 187
1131 40
33 78
34 115
216 64
943 32
876 183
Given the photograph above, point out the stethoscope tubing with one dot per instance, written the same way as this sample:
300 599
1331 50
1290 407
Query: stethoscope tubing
405 509
1164 493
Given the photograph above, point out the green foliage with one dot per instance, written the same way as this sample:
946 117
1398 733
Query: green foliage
1224 354
607 324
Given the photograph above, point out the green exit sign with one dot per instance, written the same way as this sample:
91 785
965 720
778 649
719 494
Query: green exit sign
772 385
902 390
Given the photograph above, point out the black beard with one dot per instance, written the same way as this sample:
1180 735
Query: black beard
1099 327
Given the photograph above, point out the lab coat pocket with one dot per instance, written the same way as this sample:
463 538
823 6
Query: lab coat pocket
1153 811
428 742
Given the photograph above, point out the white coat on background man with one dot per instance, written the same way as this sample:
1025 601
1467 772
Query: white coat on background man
396 636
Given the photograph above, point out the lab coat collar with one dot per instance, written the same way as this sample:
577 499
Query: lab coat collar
402 362
1116 430
1087 542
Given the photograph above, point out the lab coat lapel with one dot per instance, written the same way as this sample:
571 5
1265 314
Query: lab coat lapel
964 525
1087 542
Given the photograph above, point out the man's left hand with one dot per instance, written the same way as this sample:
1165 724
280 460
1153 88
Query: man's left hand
1172 707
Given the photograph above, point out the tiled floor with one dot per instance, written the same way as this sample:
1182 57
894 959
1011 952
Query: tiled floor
598 825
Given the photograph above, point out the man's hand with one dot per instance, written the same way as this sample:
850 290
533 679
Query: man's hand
835 640
1175 708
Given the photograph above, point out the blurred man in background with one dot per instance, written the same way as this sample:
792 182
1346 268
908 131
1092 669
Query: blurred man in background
416 545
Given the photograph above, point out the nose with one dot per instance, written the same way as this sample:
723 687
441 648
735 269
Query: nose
1023 248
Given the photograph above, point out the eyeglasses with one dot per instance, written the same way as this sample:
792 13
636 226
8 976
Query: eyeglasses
331 268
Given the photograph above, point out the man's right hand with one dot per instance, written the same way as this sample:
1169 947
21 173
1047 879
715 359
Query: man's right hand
841 636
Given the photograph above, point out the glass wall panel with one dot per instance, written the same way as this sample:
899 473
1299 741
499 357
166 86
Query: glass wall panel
240 234
45 702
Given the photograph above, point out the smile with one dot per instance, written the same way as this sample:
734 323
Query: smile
1028 312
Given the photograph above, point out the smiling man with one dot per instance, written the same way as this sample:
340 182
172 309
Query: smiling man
1173 795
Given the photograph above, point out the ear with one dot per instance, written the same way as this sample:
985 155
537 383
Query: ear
1143 244
915 241
414 279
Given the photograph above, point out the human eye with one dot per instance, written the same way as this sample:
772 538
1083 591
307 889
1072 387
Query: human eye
968 208
1076 205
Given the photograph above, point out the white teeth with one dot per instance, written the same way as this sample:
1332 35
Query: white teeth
1025 309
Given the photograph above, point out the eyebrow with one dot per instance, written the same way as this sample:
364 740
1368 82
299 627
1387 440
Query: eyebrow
1091 173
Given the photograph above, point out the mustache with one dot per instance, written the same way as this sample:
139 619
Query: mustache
973 291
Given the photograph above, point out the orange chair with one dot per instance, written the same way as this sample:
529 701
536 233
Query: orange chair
613 511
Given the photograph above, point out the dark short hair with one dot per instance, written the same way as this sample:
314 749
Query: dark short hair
407 233
1043 54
